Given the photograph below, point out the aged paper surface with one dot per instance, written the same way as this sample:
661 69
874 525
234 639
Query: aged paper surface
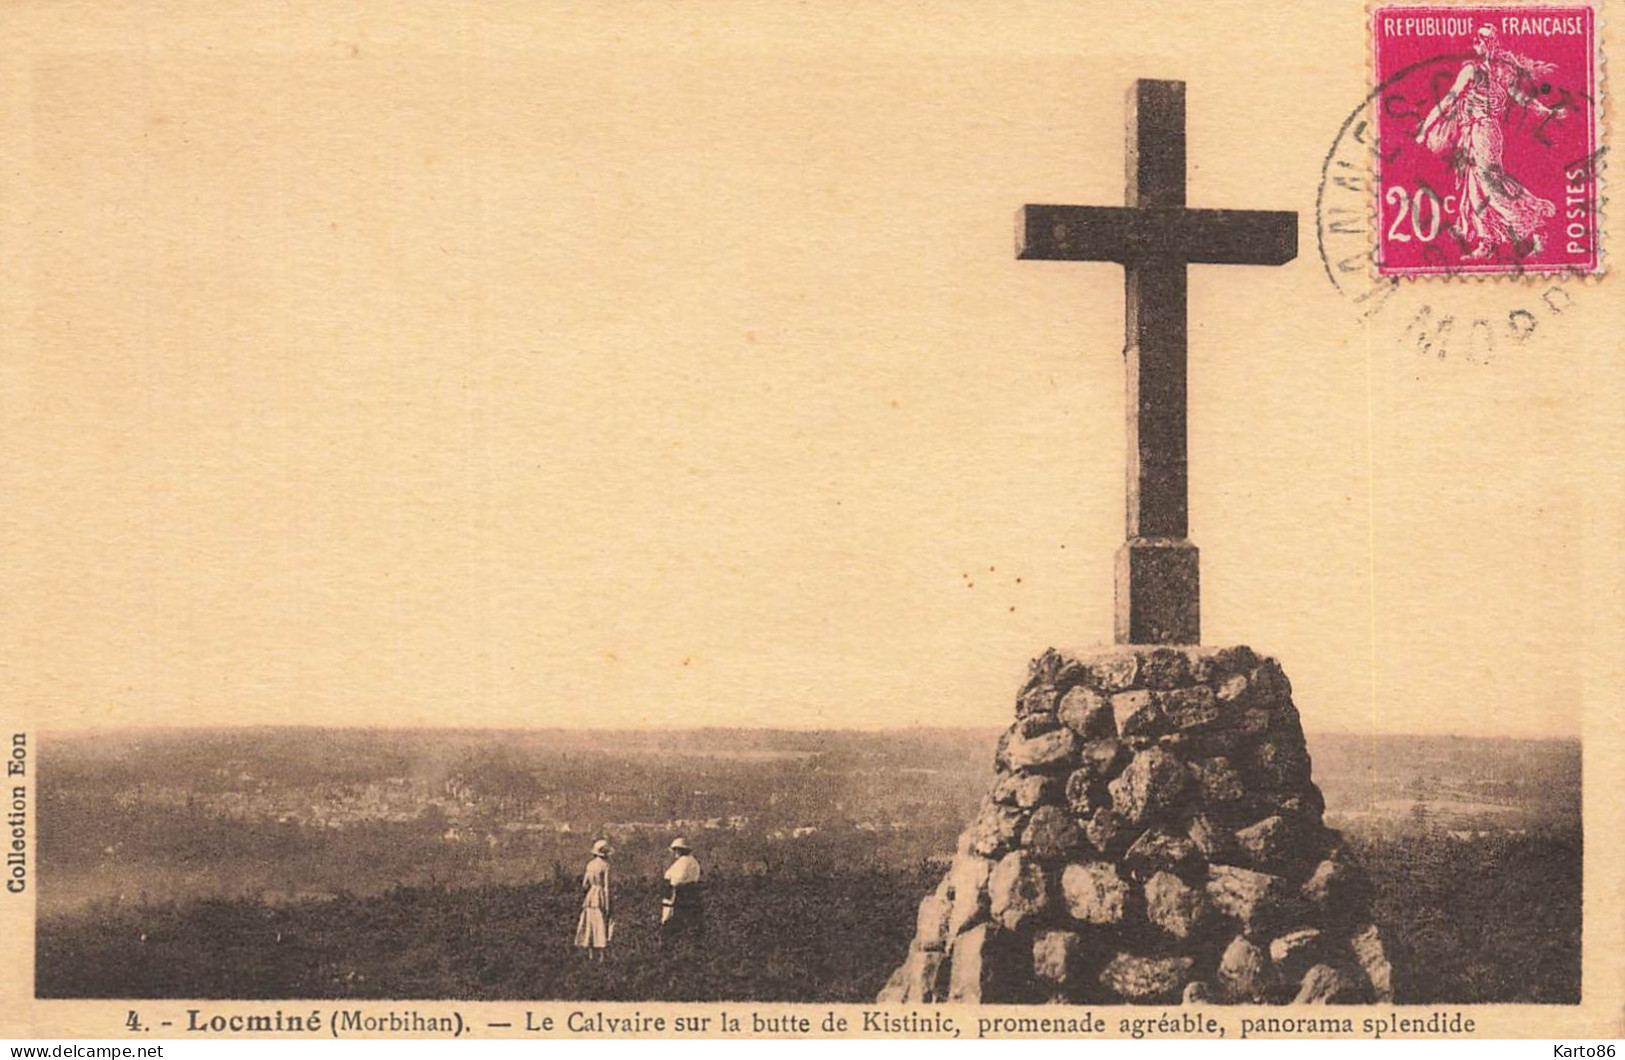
438 437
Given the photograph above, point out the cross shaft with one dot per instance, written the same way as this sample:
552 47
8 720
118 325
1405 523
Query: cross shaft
1154 237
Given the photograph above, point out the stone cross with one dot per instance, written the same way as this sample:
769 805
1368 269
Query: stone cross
1154 237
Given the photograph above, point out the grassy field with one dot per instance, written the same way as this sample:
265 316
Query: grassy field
828 938
1487 919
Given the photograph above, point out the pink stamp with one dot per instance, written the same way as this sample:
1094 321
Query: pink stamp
1486 154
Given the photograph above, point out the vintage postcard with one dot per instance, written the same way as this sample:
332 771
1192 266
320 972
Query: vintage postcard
579 521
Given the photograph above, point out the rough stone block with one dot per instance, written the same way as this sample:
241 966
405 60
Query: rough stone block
967 880
1098 762
1338 893
1269 681
1103 759
1372 958
1037 724
1173 905
1218 742
1051 834
1084 794
1056 956
1001 750
969 966
1327 984
1056 670
1069 672
1306 805
1054 750
1239 659
1231 689
994 831
1018 890
1115 671
1026 790
920 979
1216 780
1137 713
1146 980
1253 899
1159 851
931 925
1295 952
896 988
1203 669
1213 841
1164 668
1281 764
989 966
1151 783
1094 892
1253 721
1107 833
1089 714
1243 971
1037 699
1273 844
1187 709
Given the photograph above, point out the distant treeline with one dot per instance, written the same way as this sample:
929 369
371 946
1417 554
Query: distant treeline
280 813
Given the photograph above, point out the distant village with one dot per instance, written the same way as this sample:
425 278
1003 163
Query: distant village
288 817
460 810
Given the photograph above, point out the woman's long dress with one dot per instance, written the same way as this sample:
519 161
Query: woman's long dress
592 930
684 908
1493 208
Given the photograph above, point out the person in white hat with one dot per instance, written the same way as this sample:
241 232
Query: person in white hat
596 926
682 912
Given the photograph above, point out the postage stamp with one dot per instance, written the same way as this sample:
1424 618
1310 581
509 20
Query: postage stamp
1487 140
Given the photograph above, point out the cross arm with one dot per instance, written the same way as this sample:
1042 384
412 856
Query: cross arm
1130 235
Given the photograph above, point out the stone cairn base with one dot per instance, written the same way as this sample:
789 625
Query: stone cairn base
1153 836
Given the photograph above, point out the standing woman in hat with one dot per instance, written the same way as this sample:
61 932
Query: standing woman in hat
682 912
595 927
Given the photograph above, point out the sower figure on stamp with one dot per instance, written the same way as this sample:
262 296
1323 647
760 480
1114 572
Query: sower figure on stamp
1493 208
596 925
682 912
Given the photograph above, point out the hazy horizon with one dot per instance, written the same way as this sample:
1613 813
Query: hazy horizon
120 815
1309 731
